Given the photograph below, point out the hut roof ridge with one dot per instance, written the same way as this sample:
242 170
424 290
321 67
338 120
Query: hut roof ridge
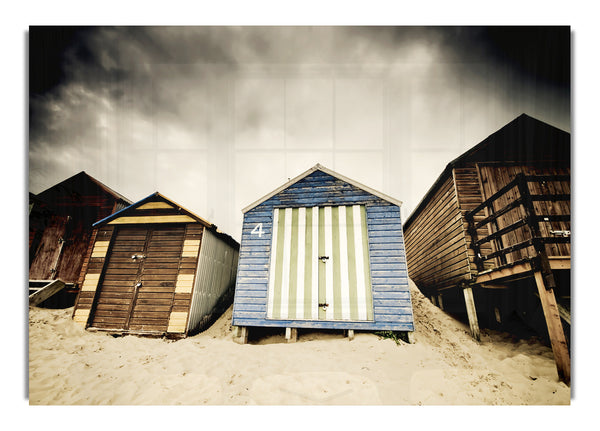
319 167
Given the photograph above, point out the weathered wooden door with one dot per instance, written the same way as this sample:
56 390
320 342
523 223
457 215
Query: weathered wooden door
137 289
48 252
319 268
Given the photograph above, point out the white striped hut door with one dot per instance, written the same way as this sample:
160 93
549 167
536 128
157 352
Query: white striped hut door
319 267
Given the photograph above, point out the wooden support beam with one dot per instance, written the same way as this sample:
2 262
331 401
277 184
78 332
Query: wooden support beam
471 313
504 272
564 313
494 286
291 335
440 302
559 262
242 338
410 335
350 334
555 329
45 292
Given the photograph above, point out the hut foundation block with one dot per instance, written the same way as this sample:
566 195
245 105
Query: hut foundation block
291 335
240 335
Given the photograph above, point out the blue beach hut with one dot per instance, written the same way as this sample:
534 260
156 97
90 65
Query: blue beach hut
322 251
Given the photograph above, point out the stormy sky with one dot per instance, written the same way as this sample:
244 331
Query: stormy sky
216 117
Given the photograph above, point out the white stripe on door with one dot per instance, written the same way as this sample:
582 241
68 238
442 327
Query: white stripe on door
360 270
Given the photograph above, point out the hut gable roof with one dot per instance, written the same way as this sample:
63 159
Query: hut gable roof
523 139
151 201
148 200
323 169
77 185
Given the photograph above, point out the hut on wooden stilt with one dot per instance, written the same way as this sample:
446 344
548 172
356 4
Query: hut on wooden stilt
155 268
491 238
60 227
322 251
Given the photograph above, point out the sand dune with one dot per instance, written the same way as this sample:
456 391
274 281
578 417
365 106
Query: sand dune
70 366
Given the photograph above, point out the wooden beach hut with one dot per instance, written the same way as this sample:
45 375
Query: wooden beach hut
60 227
155 268
491 238
322 251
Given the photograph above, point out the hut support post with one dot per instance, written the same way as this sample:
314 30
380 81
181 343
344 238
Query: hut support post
555 329
240 335
291 335
410 335
440 302
471 313
350 334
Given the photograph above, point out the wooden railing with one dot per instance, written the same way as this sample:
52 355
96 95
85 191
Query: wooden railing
530 222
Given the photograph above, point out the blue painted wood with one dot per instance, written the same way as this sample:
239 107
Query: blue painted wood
406 325
389 277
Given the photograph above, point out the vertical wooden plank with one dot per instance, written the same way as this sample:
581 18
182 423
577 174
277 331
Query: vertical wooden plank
472 313
555 329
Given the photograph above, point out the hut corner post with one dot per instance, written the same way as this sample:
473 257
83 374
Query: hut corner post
555 329
471 312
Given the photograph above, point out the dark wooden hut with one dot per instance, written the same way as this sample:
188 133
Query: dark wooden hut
322 251
491 238
60 227
155 268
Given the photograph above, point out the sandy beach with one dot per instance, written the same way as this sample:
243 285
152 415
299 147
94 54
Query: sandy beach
445 366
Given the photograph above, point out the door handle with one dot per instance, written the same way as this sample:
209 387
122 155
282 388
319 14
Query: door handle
138 256
323 258
138 285
324 305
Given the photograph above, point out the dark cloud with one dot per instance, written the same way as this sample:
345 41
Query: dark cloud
105 99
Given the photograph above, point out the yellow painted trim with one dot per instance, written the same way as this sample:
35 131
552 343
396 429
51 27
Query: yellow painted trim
152 219
177 321
90 283
100 248
190 248
185 283
154 205
81 316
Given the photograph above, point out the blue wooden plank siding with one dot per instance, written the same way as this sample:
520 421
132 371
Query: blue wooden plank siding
392 307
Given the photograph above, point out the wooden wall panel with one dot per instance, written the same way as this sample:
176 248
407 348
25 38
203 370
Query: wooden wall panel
391 296
495 176
469 195
435 242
